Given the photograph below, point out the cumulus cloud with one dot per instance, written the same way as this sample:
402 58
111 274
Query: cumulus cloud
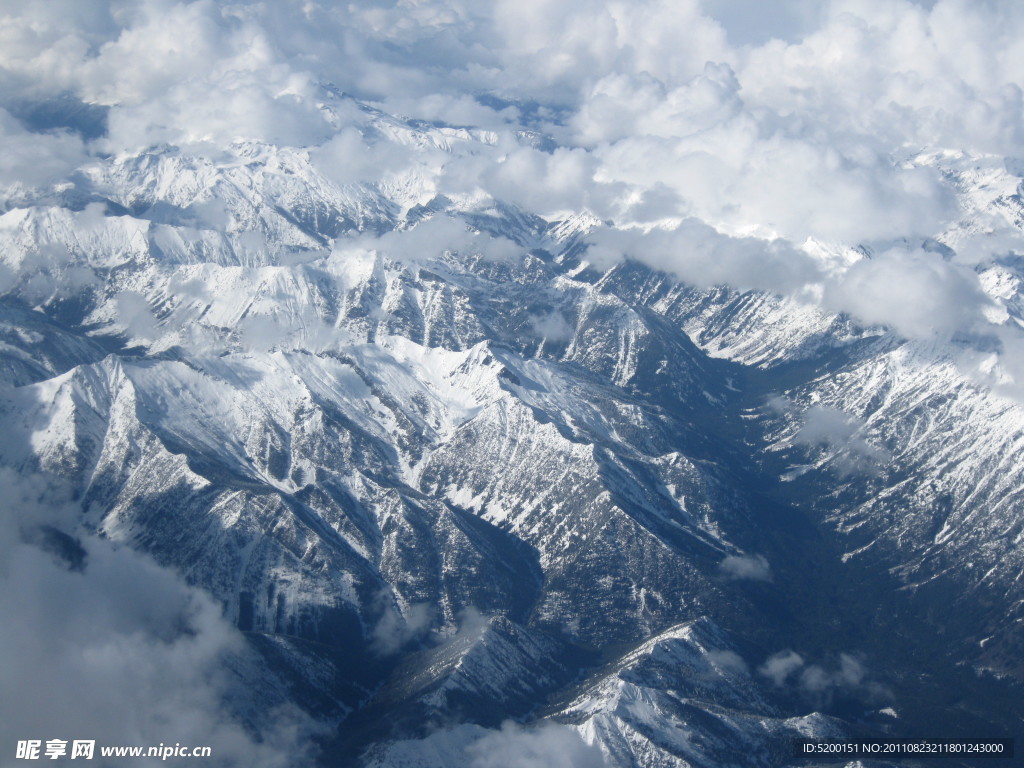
548 745
751 171
820 683
546 182
789 20
804 136
702 256
723 154
896 70
426 240
780 666
917 293
753 567
349 157
849 674
178 73
545 744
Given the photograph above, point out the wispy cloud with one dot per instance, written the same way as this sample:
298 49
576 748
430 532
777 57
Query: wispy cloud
844 435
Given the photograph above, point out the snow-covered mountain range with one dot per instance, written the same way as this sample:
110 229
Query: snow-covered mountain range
443 468
511 385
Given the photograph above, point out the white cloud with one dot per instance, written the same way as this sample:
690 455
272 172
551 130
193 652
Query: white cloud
728 661
429 238
781 665
348 158
716 151
543 745
552 326
101 643
703 257
545 182
917 293
818 683
902 73
788 20
548 745
753 567
844 436
135 316
33 159
750 169
173 72
397 628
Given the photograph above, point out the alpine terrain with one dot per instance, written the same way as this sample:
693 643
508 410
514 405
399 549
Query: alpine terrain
420 467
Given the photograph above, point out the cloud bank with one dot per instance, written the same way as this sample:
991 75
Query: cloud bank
720 142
